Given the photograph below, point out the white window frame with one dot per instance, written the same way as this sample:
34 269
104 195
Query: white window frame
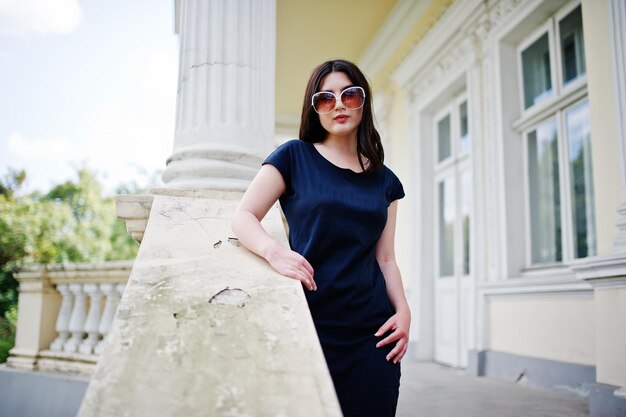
546 27
449 168
447 110
580 81
562 99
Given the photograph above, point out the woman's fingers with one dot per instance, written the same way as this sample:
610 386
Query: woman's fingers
306 280
399 336
385 327
397 352
294 265
389 339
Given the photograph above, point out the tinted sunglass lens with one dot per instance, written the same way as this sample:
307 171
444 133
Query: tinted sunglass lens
353 98
324 102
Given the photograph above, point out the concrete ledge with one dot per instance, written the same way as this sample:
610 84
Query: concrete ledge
206 327
565 377
31 394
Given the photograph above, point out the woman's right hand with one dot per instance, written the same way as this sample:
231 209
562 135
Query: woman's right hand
291 264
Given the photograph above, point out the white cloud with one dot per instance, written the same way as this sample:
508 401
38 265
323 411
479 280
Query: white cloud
41 17
39 148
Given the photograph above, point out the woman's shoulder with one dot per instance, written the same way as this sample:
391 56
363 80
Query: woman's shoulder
387 172
290 147
293 144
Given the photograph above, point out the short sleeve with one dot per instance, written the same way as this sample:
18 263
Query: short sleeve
281 160
395 190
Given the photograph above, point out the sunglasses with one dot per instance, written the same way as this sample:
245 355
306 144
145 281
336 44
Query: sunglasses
325 101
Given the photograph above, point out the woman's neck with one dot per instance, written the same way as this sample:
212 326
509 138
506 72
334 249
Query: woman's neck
343 144
341 151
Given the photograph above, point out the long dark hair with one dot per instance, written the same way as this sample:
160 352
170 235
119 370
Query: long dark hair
368 140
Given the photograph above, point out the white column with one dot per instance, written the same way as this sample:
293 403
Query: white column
617 13
77 320
63 319
93 318
225 102
112 301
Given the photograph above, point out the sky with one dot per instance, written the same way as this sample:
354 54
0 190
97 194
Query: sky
87 84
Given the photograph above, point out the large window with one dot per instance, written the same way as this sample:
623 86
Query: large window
557 140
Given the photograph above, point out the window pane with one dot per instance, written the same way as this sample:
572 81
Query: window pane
572 46
443 138
581 177
466 195
464 140
544 198
446 227
536 71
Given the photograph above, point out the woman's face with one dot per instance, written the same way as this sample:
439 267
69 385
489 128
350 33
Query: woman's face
340 121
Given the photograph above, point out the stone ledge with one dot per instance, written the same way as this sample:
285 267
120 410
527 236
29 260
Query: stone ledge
207 328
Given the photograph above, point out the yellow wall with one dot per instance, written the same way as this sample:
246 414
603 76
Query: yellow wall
398 157
605 148
561 328
311 32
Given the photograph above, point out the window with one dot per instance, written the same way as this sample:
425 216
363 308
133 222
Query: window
453 188
536 71
557 141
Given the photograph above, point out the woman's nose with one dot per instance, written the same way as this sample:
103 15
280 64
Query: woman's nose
339 104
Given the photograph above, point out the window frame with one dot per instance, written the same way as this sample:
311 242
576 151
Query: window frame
545 27
562 99
450 168
558 17
445 111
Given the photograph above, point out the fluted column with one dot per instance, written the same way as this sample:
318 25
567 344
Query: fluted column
225 101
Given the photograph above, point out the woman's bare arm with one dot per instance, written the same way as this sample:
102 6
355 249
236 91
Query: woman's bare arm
400 322
265 189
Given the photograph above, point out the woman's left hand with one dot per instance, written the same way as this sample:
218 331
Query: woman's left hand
400 324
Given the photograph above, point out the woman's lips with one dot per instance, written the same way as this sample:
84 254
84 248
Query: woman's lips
341 117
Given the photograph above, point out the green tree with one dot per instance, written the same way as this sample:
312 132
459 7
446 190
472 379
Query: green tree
73 222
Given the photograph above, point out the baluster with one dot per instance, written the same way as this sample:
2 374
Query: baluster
112 301
93 318
77 321
63 319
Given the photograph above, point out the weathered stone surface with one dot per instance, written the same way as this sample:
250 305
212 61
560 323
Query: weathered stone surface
208 328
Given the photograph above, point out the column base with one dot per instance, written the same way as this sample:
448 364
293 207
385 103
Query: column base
214 167
24 359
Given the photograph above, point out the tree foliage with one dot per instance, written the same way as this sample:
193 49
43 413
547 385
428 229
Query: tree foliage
73 222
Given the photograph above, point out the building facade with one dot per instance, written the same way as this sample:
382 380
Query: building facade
505 121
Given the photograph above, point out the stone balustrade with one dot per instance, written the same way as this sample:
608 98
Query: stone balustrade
65 313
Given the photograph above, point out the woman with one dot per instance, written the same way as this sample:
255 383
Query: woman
340 203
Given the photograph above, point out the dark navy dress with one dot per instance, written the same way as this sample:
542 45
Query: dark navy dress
336 217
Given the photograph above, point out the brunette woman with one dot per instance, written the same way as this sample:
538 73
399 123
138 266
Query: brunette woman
340 202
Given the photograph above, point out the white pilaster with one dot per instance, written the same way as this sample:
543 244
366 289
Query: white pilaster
225 102
617 13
